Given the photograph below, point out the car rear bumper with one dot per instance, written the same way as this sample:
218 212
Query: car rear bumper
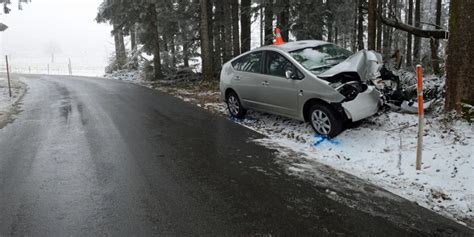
364 105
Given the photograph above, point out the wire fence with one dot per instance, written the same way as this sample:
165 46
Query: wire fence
54 69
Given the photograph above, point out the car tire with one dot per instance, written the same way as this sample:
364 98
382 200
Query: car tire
234 106
325 121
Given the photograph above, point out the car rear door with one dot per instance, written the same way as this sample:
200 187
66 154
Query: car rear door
248 78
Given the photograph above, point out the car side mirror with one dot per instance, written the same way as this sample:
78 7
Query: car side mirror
290 74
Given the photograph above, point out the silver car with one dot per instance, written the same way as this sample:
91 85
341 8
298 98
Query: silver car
313 81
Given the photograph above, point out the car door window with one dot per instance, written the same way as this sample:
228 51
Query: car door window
248 63
277 65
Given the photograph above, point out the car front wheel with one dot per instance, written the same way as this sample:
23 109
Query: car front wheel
234 105
325 121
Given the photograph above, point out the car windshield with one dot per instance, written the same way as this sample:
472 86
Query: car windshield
320 59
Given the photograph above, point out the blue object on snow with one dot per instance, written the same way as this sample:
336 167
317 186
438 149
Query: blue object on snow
319 139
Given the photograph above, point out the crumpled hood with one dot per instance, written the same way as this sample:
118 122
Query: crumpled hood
365 63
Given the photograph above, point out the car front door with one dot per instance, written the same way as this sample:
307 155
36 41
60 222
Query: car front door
280 93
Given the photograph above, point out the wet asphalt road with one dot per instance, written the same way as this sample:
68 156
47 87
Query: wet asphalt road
100 157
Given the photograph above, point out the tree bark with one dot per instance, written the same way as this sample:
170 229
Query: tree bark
371 34
133 38
283 19
120 55
245 24
227 49
207 70
379 26
354 30
460 51
235 28
409 35
435 42
133 44
360 25
417 44
218 31
156 43
268 22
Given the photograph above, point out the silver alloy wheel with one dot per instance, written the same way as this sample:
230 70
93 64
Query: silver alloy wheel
321 122
233 104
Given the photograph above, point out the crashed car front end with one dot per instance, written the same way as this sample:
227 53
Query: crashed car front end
353 79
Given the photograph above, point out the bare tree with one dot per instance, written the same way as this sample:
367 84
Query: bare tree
235 27
409 35
435 42
360 24
245 24
207 70
417 44
371 36
268 22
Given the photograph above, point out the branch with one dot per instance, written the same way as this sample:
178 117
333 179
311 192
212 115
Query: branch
437 34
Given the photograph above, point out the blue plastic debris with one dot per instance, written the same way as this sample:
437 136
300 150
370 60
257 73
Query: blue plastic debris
319 139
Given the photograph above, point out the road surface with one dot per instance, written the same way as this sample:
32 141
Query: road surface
101 157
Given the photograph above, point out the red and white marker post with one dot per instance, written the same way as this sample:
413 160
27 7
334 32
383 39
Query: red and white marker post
421 115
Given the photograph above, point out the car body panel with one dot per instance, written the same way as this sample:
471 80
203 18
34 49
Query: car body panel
365 63
364 105
281 95
287 97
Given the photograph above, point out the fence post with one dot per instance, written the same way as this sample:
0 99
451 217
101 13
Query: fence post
48 68
8 76
70 67
421 114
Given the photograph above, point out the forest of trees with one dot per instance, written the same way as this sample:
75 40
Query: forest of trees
407 32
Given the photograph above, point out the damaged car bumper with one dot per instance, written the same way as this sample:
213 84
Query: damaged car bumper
364 105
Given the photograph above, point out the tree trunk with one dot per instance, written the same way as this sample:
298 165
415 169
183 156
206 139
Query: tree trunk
371 34
227 49
435 42
409 35
283 19
120 55
379 26
417 44
354 30
133 38
245 24
268 22
156 39
207 70
360 25
173 52
235 28
218 33
459 66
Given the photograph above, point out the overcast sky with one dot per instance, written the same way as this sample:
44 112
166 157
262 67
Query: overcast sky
67 24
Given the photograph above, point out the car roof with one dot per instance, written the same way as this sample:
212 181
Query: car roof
295 45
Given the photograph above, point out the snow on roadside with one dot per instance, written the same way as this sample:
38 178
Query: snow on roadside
381 150
7 104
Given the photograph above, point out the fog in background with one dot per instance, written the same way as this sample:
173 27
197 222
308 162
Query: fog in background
63 27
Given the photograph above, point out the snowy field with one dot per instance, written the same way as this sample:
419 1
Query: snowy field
381 150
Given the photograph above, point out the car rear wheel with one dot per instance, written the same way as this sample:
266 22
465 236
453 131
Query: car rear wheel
234 105
325 121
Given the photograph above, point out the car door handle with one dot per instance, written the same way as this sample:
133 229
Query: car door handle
236 78
265 83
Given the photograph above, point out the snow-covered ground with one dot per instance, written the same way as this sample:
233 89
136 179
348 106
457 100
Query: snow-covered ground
7 104
381 150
